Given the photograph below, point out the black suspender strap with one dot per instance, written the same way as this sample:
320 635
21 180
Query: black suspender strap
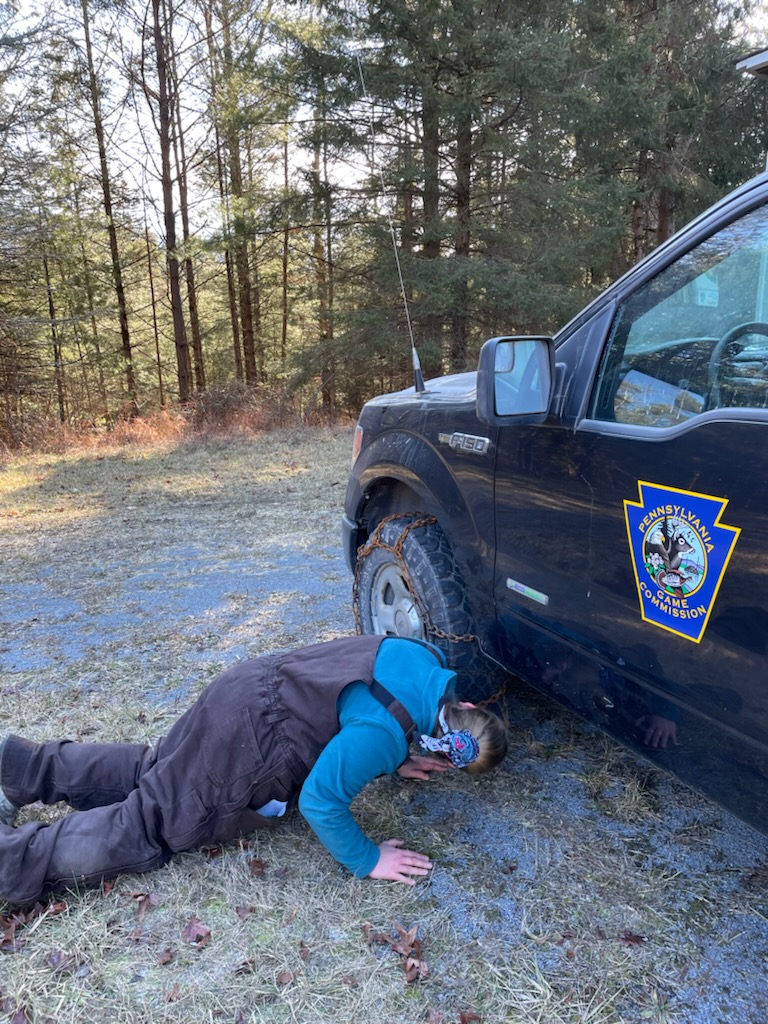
395 708
399 711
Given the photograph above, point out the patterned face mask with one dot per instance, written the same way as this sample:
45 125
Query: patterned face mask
461 747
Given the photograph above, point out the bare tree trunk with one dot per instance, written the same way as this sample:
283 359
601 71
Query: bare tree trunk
165 122
95 338
180 159
106 188
261 372
322 282
408 235
284 264
58 368
242 265
640 208
225 204
432 349
155 327
239 223
231 288
232 297
460 315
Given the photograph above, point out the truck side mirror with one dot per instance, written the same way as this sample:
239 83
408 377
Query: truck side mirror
515 380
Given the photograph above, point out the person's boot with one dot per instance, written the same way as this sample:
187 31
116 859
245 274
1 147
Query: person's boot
7 809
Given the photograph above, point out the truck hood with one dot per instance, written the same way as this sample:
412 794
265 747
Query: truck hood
456 387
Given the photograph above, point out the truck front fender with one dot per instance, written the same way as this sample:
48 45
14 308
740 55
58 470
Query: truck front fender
400 471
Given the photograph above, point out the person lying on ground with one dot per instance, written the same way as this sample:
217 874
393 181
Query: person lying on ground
310 727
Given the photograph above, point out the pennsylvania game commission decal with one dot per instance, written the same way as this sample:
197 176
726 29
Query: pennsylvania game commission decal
680 551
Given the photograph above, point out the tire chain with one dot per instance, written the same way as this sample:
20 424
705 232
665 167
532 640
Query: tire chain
375 541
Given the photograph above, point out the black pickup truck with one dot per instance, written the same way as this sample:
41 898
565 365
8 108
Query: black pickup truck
590 512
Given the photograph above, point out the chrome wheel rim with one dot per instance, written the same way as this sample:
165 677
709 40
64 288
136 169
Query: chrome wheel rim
393 610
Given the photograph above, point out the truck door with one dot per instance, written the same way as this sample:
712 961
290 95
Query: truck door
632 537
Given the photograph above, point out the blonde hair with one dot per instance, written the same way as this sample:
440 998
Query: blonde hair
488 729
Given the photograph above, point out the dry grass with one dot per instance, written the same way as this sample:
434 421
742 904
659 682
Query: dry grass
575 886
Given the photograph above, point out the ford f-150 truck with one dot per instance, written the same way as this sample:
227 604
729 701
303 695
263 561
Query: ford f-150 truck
590 512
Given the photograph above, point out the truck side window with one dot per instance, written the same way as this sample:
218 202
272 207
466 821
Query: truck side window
693 338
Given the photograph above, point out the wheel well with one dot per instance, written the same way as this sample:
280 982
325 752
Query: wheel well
390 497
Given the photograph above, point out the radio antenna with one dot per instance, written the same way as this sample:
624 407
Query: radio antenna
418 378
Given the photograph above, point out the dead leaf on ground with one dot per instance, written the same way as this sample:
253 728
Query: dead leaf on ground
196 933
407 946
145 900
407 940
257 867
467 1016
8 941
415 970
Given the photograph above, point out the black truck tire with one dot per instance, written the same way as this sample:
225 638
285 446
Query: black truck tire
387 607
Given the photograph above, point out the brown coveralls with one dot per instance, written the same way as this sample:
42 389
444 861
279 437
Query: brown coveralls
252 736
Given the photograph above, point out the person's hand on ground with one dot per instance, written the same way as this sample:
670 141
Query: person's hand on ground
418 767
397 865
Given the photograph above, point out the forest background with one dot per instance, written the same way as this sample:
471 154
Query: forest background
200 197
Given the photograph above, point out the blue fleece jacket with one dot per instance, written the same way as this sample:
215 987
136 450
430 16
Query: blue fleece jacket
370 743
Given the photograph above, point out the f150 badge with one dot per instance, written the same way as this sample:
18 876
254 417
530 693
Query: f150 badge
465 442
680 551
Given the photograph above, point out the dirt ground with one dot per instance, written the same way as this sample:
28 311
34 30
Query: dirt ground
577 884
